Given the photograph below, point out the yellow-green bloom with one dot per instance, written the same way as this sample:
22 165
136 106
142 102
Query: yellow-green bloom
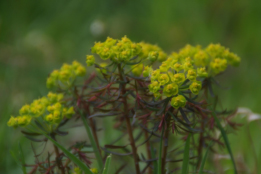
153 56
69 112
103 68
13 122
202 72
164 67
154 87
147 71
179 101
195 87
163 79
201 58
137 69
192 74
178 67
24 110
54 97
23 120
155 74
179 78
94 170
187 65
218 65
162 56
170 90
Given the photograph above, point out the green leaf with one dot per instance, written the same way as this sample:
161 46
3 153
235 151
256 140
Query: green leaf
224 135
204 160
93 142
107 165
153 156
22 158
15 158
160 151
78 162
185 164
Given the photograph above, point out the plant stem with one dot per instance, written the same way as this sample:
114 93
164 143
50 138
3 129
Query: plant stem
129 128
60 165
165 141
94 131
148 149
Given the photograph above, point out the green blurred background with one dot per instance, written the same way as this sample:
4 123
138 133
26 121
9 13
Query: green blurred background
38 36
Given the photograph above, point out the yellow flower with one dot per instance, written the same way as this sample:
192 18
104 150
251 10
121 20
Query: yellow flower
179 78
163 79
154 87
137 69
195 87
170 90
94 170
164 67
153 56
13 122
179 101
147 71
192 74
178 67
202 72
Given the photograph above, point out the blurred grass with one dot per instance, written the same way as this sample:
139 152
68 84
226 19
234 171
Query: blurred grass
38 36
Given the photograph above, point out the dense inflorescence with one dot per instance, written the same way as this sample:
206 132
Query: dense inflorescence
64 77
50 109
190 65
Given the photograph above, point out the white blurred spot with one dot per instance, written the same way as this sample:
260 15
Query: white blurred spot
97 27
246 112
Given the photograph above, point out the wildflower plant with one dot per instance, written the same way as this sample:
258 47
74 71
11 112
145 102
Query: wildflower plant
145 91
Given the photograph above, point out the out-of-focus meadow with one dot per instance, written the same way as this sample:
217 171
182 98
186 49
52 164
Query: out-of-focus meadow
38 36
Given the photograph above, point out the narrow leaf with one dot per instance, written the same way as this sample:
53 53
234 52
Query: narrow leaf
224 135
185 165
107 165
204 160
78 162
93 142
22 158
153 156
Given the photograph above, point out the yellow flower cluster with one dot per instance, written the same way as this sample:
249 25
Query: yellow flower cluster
117 50
66 75
50 108
124 50
189 63
214 57
152 52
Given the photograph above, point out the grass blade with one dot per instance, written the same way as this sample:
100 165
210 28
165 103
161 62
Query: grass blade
15 158
22 158
204 160
107 165
93 143
224 135
160 151
185 164
153 156
78 162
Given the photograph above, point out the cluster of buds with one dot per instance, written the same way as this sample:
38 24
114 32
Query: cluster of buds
117 50
152 52
189 65
65 77
50 109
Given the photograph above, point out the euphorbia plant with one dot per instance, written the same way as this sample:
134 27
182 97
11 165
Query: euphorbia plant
155 101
